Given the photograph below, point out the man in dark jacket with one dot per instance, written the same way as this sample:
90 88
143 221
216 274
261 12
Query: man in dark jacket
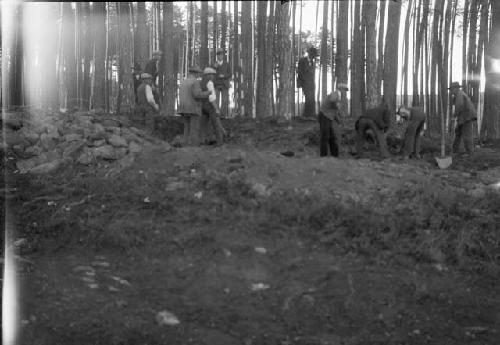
136 73
190 97
209 109
222 82
329 125
377 121
305 80
146 105
464 115
414 131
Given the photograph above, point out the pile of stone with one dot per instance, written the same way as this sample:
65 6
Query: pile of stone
44 142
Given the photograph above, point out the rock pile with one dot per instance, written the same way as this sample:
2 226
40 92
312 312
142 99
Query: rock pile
44 142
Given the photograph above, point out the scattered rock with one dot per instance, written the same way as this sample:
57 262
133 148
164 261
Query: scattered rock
166 318
260 190
31 136
166 147
72 137
133 147
48 143
47 167
477 192
120 152
74 149
33 150
85 157
104 152
25 165
117 141
97 143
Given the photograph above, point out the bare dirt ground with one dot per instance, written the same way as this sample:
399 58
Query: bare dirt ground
260 241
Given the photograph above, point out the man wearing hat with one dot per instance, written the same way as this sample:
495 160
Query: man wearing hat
136 73
146 104
416 121
329 125
152 67
222 82
209 109
190 97
464 116
374 122
305 80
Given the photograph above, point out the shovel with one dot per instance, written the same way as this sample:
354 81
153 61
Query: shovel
443 162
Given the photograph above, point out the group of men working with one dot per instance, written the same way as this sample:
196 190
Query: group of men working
202 96
375 122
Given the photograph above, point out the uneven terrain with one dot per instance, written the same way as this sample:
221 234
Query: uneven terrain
259 241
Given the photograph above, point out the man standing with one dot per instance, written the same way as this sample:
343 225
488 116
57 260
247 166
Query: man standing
146 105
152 67
136 73
210 110
190 96
222 82
416 118
305 80
464 115
377 121
329 125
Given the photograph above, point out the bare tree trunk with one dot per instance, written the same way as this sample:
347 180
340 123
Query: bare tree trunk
465 25
391 55
483 40
125 83
48 55
204 35
285 65
269 64
381 35
13 91
473 82
69 56
356 108
223 26
491 116
293 59
99 17
262 95
168 58
450 65
85 49
247 57
342 49
215 33
141 51
436 56
369 21
324 51
236 61
417 42
405 67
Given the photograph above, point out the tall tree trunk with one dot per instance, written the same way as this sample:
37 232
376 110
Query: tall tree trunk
247 57
491 117
473 79
215 37
12 93
141 51
391 55
381 35
49 53
465 25
369 21
356 108
86 52
269 60
191 21
125 83
292 60
406 42
69 56
417 42
236 61
342 49
324 51
435 58
445 60
204 35
262 95
168 57
482 42
99 18
450 65
223 18
285 63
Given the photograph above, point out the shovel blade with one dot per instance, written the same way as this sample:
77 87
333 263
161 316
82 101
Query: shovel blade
443 162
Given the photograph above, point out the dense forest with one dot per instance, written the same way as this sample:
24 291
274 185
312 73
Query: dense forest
80 55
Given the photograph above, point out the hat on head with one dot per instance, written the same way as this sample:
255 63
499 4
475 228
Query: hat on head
157 52
342 87
220 51
454 85
334 96
146 76
313 51
195 69
209 70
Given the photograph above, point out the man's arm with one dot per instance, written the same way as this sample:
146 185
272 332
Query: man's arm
198 93
150 98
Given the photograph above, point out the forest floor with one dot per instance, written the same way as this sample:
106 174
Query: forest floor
260 241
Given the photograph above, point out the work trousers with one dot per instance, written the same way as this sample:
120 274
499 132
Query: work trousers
411 145
191 129
362 126
465 133
309 104
210 115
329 136
223 101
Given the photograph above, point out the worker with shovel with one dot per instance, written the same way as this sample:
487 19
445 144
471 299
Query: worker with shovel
414 131
464 115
